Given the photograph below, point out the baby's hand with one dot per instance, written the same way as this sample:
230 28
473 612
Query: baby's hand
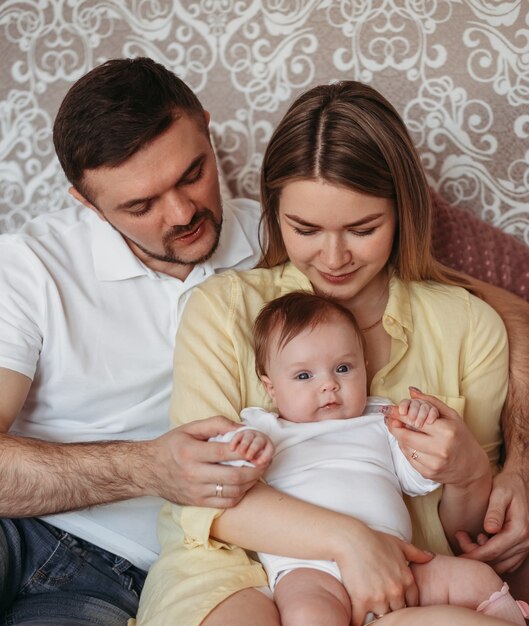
415 413
253 446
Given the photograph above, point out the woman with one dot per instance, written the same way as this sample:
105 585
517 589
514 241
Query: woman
346 212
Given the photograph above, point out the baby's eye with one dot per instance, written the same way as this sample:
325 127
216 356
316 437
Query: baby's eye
343 369
302 376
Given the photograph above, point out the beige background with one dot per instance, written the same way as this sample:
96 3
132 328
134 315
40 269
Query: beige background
457 70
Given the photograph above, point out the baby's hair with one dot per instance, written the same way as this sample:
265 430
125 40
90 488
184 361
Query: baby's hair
291 314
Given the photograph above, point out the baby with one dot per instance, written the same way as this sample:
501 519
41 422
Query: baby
332 448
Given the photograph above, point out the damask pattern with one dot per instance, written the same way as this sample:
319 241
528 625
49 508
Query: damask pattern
457 70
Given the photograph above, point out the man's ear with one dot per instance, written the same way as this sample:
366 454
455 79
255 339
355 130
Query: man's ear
80 198
207 118
269 388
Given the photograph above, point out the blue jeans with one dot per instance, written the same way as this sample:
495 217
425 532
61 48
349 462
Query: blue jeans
50 578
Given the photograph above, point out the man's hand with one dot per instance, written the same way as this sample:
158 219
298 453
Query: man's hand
507 520
186 467
253 446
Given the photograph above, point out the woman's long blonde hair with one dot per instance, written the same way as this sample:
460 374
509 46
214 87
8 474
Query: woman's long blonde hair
348 134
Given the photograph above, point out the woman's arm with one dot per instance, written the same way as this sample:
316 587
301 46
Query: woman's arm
372 564
466 490
449 452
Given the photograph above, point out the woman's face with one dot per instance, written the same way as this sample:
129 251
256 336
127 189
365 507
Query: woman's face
339 238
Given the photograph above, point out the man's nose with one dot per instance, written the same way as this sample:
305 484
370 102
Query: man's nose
178 208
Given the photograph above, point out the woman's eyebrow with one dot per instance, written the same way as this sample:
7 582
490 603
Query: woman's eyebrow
364 220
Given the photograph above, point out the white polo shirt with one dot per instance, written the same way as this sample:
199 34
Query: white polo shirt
94 328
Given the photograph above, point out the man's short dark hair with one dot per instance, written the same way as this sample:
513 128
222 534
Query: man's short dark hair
116 109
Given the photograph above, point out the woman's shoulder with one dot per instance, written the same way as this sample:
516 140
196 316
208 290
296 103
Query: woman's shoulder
240 280
457 303
234 294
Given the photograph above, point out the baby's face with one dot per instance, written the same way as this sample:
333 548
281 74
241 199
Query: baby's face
319 375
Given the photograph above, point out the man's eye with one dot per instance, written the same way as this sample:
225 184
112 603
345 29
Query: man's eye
193 176
342 369
141 209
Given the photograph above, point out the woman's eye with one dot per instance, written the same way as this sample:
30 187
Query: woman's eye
363 233
343 369
303 376
304 232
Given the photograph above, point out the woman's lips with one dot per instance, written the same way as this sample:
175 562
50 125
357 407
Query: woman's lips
337 279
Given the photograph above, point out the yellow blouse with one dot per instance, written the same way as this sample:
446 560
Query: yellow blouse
443 340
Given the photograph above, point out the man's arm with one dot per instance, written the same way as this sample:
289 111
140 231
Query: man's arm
41 477
507 517
515 416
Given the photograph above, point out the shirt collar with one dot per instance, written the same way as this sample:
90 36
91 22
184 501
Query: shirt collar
399 303
114 260
234 245
294 280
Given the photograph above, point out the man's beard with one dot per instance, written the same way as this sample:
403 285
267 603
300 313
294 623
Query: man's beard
169 256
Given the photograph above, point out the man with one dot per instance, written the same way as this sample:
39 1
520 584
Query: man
91 298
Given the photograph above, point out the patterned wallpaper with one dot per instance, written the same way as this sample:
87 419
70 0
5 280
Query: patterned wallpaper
457 70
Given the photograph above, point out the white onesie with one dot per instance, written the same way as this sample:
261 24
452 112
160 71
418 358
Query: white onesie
352 466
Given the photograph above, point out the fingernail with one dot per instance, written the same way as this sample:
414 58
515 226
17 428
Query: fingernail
432 554
415 389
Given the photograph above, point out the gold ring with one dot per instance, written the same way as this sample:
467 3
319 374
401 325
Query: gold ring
414 455
218 491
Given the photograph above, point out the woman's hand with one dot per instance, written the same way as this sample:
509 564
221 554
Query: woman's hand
444 451
447 452
375 572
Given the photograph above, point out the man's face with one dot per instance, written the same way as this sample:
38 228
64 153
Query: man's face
164 200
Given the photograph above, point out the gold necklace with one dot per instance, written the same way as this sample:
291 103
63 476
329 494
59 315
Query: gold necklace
364 330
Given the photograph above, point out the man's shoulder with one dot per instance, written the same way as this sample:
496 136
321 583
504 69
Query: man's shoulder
50 245
55 225
247 213
245 208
